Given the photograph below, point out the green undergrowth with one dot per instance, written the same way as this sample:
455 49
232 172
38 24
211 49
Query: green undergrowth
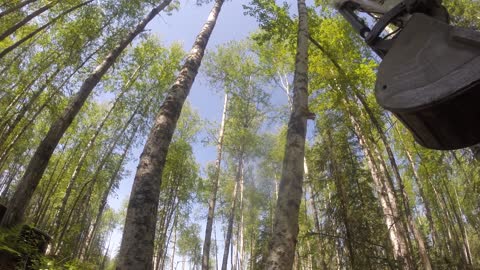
13 248
9 241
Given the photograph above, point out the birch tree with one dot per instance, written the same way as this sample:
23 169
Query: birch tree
136 250
290 190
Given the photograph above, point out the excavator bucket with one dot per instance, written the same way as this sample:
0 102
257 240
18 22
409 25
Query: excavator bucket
430 79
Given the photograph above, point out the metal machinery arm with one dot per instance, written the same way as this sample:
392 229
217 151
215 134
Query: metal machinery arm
429 77
395 15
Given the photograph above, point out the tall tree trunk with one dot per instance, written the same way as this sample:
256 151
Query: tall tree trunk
88 148
5 133
165 244
343 199
6 187
39 161
104 260
445 217
40 29
26 108
45 103
338 250
308 251
161 234
231 217
63 230
284 239
232 243
25 20
106 193
17 58
6 119
400 219
252 248
50 192
16 7
319 261
162 224
463 231
410 224
174 243
391 157
113 177
169 206
45 199
421 244
45 192
136 251
240 251
426 203
10 146
466 253
387 200
213 194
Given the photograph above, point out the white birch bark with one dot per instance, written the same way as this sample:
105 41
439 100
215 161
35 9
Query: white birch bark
136 250
213 196
387 200
284 239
